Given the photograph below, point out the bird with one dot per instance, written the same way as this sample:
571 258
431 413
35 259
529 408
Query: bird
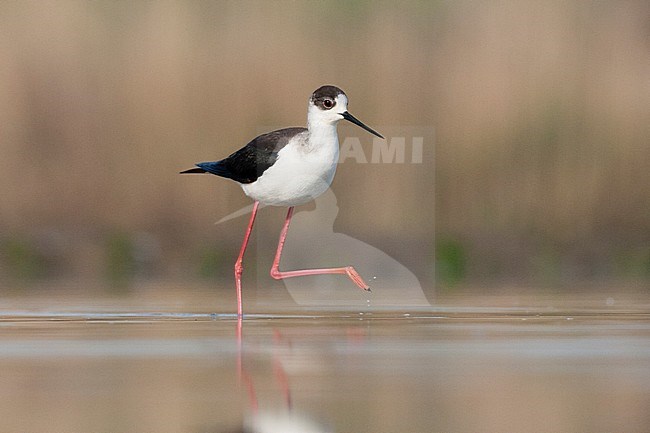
289 167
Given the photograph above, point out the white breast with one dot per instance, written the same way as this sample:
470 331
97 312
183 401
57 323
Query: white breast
303 170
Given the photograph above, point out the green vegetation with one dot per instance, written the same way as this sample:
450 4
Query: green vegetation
451 262
121 265
21 260
213 263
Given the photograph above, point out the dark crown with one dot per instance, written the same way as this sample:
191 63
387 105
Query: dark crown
326 92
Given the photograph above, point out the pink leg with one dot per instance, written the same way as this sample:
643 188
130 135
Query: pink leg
239 267
278 275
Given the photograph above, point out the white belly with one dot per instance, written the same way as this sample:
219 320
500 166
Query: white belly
297 177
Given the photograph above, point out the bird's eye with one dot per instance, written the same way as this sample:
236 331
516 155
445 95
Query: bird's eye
328 103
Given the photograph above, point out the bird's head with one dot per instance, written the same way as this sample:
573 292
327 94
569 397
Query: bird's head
328 105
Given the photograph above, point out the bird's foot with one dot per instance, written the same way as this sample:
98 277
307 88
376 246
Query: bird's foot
356 278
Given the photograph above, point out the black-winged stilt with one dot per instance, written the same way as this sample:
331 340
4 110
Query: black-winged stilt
289 167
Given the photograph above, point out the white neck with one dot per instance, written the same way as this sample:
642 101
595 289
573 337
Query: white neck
322 135
321 131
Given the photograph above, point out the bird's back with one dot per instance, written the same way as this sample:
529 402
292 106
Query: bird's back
248 163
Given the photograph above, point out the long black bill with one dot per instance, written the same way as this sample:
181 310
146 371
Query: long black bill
347 116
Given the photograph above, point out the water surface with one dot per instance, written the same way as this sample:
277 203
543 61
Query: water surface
488 364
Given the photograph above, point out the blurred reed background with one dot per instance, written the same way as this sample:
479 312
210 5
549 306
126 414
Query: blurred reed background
538 172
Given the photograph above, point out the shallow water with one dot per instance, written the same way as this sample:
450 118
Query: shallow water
541 364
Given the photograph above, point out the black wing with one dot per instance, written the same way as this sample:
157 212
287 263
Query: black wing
249 162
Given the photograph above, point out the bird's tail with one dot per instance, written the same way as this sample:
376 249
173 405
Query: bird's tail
215 167
193 170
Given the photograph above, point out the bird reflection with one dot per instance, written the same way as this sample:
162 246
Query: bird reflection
287 421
